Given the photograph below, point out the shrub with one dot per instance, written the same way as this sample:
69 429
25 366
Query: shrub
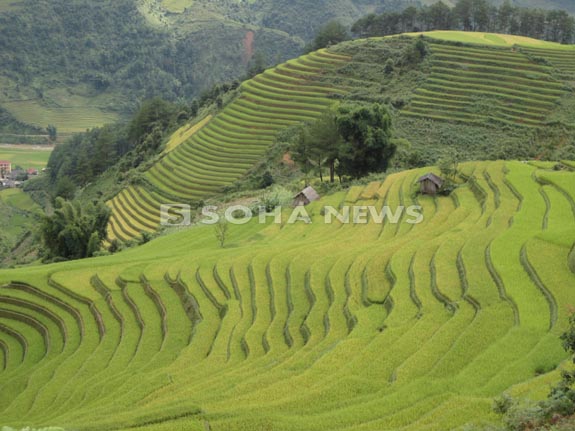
502 404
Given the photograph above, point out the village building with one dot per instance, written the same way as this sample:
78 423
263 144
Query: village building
305 197
430 184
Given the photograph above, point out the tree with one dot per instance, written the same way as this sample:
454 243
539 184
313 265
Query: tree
257 64
568 339
318 145
473 15
302 152
330 34
75 231
267 180
52 132
366 139
155 114
326 140
221 230
449 167
440 16
65 188
409 18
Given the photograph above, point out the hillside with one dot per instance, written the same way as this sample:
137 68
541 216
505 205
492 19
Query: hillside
482 95
81 64
221 151
305 326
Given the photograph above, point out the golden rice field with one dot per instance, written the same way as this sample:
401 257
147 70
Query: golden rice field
305 326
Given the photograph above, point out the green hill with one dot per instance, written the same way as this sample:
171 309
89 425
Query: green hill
483 95
367 326
230 144
305 326
81 64
59 68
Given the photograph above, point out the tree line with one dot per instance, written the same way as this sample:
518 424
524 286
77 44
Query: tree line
352 140
472 15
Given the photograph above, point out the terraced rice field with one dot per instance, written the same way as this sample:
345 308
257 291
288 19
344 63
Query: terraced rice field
564 60
304 327
225 147
492 39
498 81
73 118
479 84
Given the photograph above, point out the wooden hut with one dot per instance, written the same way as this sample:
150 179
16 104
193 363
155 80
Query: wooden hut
430 184
305 197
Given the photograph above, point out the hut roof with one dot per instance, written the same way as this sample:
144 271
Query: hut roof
309 193
433 178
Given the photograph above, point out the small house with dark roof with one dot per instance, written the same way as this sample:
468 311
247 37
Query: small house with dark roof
430 184
305 197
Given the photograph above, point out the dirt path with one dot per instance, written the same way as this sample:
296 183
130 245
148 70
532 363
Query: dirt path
27 147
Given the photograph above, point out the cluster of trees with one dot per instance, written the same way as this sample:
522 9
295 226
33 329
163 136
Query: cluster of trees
87 155
74 230
353 140
303 17
472 15
332 33
104 45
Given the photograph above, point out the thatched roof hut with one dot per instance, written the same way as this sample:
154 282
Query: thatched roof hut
305 197
430 184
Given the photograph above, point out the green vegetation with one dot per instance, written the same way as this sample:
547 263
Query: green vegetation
332 33
20 200
556 413
19 216
60 68
353 141
74 231
306 326
443 97
224 150
472 16
72 118
366 136
13 131
86 156
83 76
26 156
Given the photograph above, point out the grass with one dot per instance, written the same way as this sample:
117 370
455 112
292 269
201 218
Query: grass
176 6
72 118
17 198
292 327
26 156
490 39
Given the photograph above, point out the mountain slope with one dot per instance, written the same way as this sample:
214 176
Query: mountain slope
306 326
501 90
223 150
80 64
